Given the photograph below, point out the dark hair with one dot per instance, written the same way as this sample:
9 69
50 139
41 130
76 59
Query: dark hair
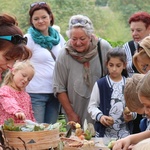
118 52
140 16
38 7
9 26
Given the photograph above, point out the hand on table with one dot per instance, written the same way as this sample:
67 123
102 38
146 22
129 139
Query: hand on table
122 144
74 117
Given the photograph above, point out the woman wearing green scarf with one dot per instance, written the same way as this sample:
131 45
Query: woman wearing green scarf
45 43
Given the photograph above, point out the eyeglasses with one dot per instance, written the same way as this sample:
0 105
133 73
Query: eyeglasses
37 3
15 39
80 21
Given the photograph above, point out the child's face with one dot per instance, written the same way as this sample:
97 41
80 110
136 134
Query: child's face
22 77
115 67
146 102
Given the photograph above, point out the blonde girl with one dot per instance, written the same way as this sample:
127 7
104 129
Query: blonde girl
14 100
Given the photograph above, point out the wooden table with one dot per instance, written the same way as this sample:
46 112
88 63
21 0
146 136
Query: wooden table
98 146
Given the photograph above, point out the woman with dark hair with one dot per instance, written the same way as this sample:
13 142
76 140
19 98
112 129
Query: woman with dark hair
45 43
12 43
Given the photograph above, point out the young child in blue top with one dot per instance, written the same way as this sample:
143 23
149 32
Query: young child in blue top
107 102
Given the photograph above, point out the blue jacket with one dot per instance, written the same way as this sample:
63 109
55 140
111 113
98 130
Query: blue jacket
105 97
105 92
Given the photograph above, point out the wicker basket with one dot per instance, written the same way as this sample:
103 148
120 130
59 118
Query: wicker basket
37 140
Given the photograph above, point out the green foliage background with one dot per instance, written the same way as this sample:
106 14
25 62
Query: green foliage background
109 17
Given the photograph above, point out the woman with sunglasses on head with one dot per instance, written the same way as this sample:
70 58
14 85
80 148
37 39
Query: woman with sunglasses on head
77 68
12 43
45 43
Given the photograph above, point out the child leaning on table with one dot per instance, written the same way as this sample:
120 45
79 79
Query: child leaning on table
130 94
143 90
132 100
15 102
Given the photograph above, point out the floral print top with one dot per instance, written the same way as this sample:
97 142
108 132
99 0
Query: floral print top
13 101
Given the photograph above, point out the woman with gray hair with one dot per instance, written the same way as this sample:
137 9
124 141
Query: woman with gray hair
77 68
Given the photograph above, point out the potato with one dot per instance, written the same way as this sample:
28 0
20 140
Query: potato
126 111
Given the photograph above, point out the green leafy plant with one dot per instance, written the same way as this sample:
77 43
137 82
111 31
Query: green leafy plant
9 125
62 121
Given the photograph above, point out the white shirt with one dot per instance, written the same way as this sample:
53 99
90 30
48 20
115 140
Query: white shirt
44 64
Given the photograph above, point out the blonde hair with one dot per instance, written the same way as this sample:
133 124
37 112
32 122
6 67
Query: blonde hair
143 87
130 93
142 145
19 65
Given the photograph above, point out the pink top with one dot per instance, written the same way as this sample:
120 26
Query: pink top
12 101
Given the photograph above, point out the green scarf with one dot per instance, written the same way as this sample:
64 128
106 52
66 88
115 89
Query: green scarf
45 41
84 58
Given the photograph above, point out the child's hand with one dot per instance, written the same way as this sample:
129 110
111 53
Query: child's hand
20 115
106 120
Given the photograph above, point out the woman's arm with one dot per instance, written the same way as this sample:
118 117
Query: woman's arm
64 100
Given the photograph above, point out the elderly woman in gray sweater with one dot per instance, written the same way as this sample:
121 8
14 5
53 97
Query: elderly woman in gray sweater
78 67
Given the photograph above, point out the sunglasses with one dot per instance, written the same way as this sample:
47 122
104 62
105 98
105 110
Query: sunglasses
79 21
37 3
15 39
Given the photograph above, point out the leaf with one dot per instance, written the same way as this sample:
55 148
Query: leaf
85 125
9 125
68 134
91 129
37 128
